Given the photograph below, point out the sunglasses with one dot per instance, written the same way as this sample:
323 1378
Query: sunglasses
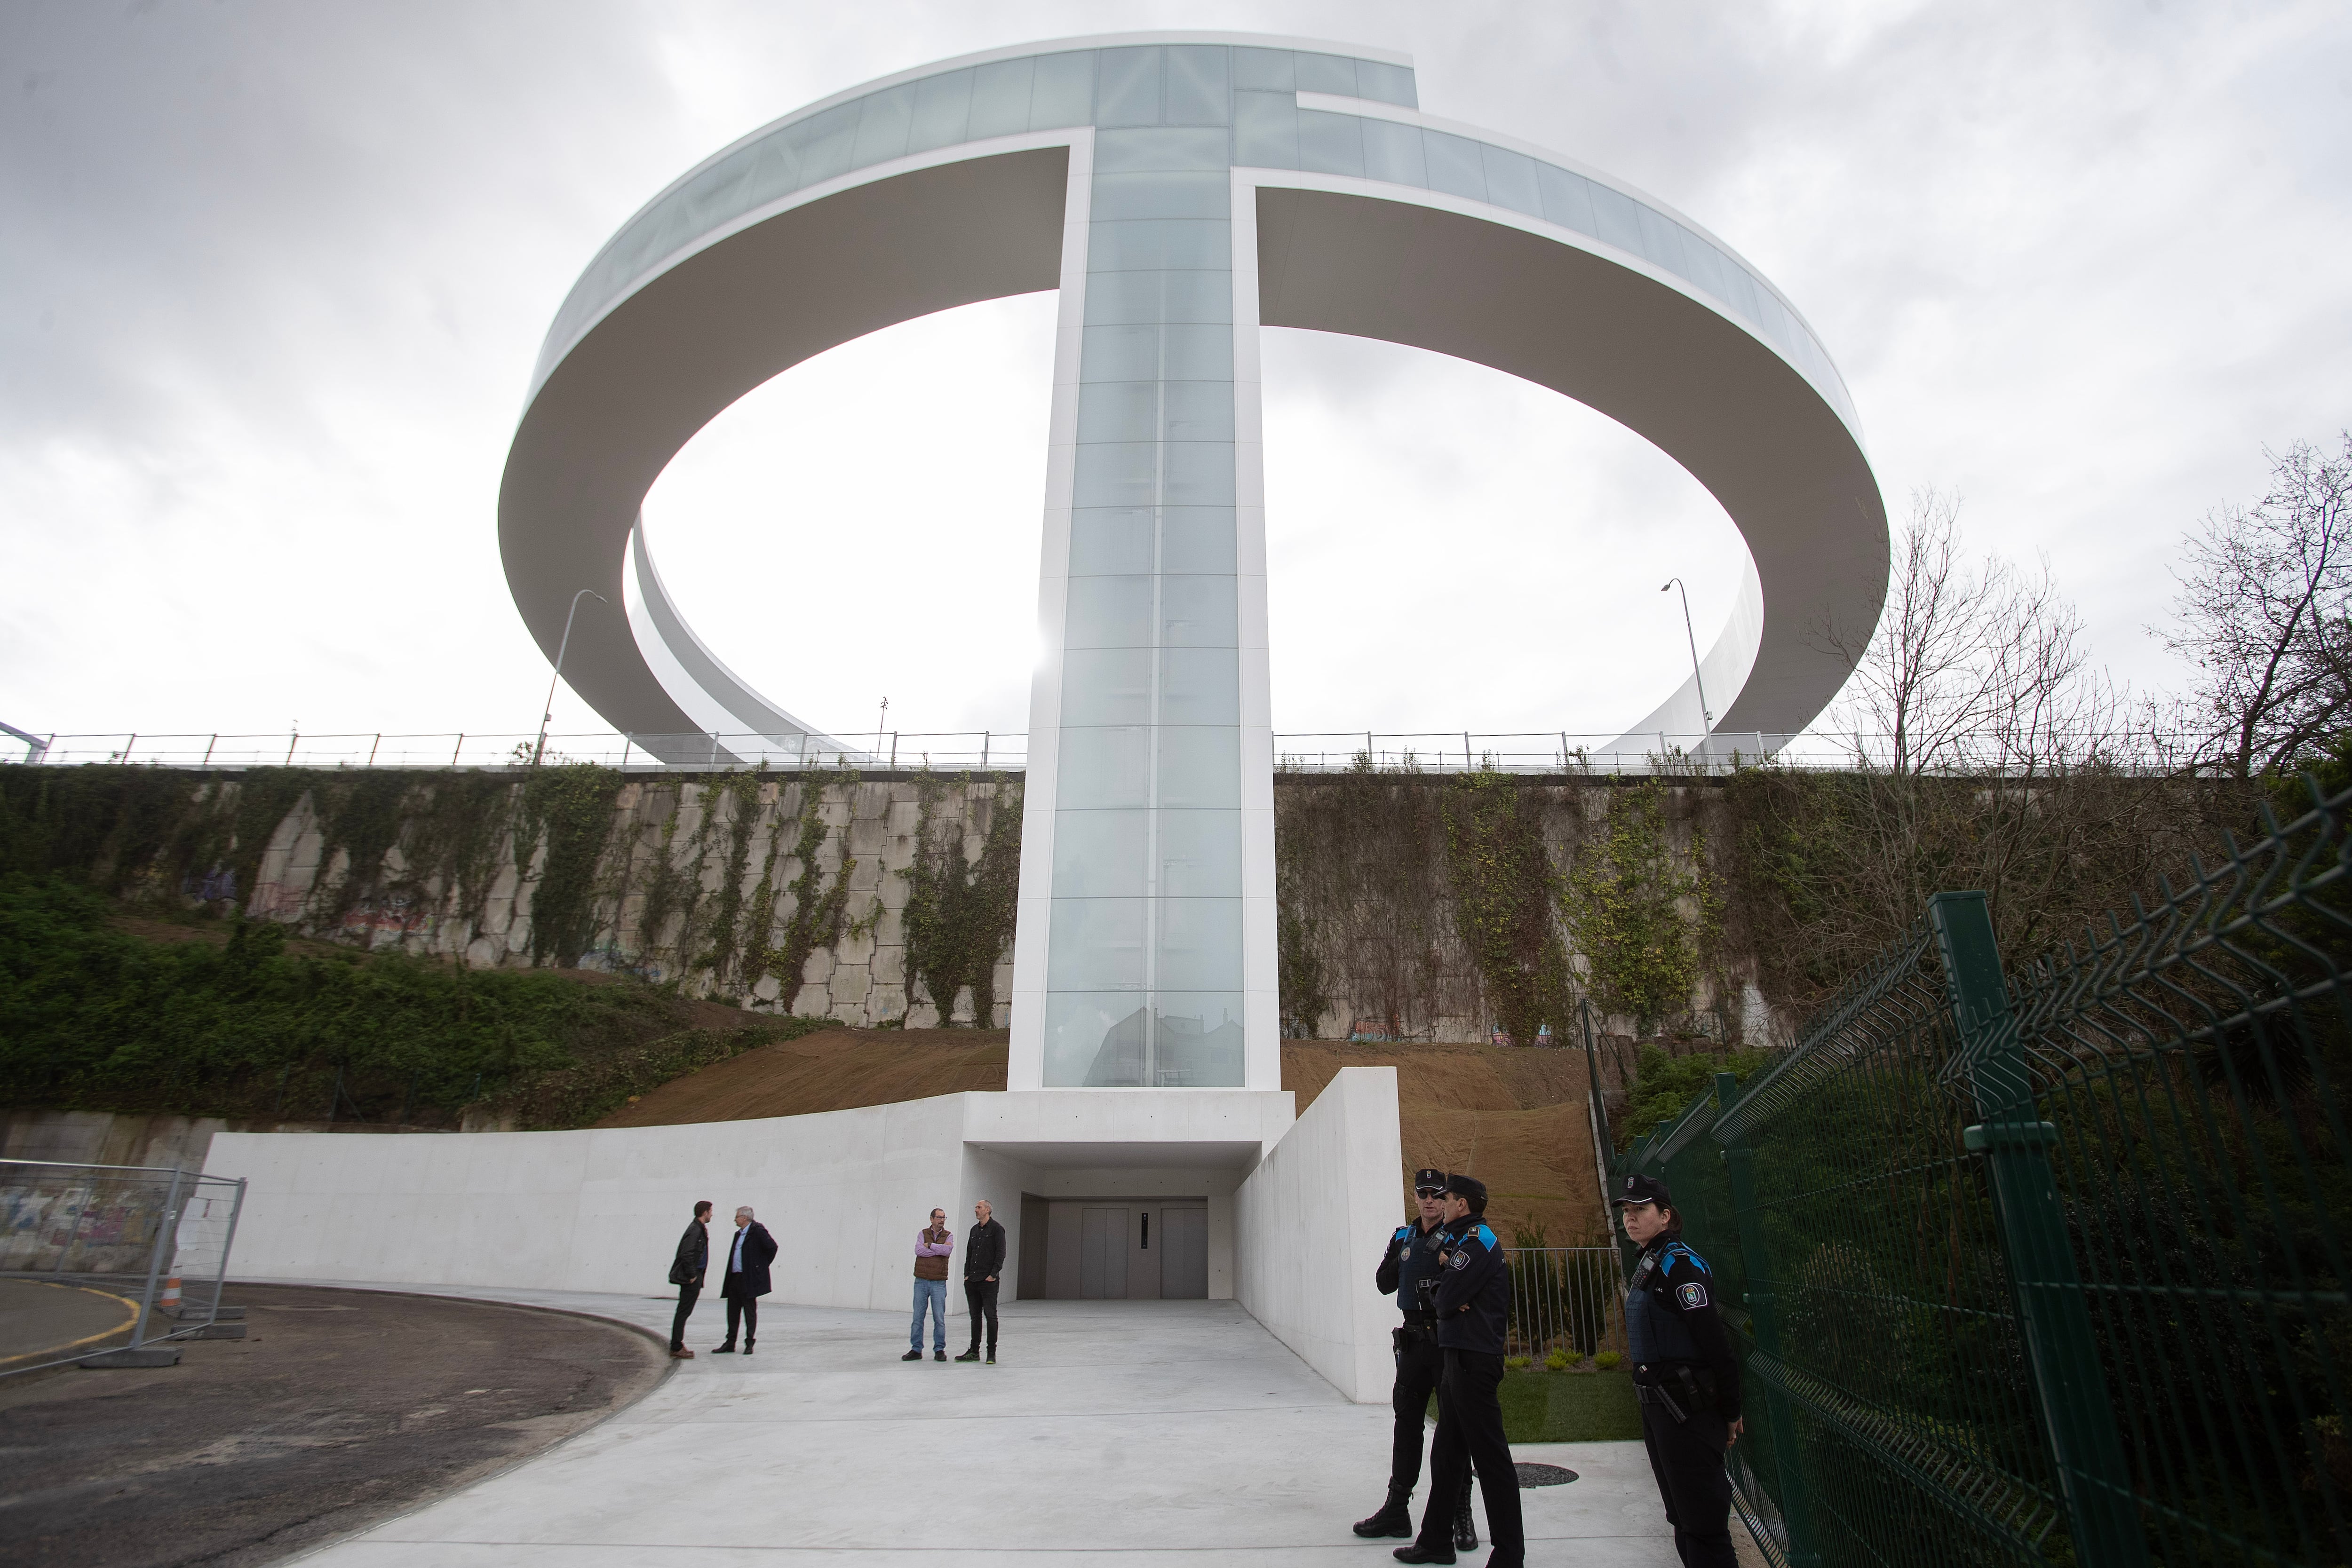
1429 1192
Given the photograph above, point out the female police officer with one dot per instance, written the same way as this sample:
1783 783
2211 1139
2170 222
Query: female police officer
1684 1374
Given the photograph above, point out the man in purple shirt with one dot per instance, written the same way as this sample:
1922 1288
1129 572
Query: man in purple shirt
932 1244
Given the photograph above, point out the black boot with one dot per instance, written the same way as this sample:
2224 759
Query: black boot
972 1355
1394 1517
1417 1552
1465 1529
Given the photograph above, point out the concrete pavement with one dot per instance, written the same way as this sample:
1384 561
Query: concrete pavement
1107 1431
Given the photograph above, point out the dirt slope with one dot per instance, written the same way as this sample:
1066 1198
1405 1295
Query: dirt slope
1515 1119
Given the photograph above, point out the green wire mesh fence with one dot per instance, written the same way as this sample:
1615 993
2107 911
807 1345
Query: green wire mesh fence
2049 1266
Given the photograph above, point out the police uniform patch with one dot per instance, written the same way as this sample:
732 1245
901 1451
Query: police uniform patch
1691 1294
1460 1260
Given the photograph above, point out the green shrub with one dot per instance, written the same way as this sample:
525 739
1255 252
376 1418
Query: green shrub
1609 1360
1557 1360
1517 1362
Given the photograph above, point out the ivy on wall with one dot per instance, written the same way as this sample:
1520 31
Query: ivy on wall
1505 895
1643 919
957 919
737 799
818 909
570 807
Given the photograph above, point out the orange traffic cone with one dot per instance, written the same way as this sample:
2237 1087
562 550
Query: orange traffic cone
170 1305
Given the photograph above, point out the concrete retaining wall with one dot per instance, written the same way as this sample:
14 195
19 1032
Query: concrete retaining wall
1309 1224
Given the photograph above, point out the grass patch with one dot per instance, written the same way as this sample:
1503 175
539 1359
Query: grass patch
1569 1407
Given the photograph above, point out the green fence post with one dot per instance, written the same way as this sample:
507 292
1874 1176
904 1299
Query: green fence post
1764 1326
2053 1317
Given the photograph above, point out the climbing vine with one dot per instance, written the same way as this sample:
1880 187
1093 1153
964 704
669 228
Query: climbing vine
1643 919
959 911
1505 899
570 809
738 793
360 815
817 908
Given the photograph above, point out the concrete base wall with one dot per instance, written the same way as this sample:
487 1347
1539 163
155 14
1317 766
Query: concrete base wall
1309 1224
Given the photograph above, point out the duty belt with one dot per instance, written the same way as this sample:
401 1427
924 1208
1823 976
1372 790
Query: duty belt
1420 1320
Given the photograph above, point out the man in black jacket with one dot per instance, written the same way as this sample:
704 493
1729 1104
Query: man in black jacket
984 1261
746 1281
686 1272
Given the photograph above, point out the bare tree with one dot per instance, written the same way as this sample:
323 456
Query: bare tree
2265 612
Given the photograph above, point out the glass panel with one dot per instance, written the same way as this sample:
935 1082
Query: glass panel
1094 1041
1138 296
1454 166
1200 353
1197 539
1199 686
1265 130
1511 180
1120 354
1111 766
1326 73
1102 854
1110 539
1196 612
1199 765
1196 85
1567 198
1162 195
1108 611
1000 98
826 141
1120 151
1129 88
1196 410
1063 92
1743 290
1097 944
1200 945
1118 411
1386 84
1331 143
1662 240
882 126
1109 686
1150 243
1200 856
1195 473
1393 152
1614 213
1197 1041
1705 264
1118 473
942 110
1268 68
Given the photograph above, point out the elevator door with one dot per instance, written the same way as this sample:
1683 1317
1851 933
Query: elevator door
1183 1254
1102 1255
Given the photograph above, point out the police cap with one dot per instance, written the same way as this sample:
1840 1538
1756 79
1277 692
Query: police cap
1644 1189
1428 1181
1469 1189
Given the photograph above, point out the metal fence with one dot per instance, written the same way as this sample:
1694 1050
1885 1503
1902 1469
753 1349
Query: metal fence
2051 1267
155 1236
1566 752
1566 1299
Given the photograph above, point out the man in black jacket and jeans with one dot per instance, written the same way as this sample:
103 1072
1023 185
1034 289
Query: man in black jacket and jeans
983 1262
686 1272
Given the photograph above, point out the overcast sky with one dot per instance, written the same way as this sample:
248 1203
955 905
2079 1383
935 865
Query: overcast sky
272 278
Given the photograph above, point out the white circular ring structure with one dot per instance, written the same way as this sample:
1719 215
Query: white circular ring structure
1180 190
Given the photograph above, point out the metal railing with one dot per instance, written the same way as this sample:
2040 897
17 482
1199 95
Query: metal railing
157 1237
2051 1267
1001 751
1566 1299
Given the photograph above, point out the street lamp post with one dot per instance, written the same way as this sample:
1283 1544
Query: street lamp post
548 716
1705 712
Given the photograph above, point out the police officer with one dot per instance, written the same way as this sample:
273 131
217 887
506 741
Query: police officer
1474 1306
1684 1372
1409 1271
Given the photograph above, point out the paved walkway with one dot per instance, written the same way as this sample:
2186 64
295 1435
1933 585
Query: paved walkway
1176 1432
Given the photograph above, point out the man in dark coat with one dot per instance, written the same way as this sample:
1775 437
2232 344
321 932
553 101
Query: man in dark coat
686 1272
748 1256
983 1263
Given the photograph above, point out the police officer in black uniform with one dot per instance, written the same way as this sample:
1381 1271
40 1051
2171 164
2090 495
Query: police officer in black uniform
1684 1372
1409 1271
1473 1307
